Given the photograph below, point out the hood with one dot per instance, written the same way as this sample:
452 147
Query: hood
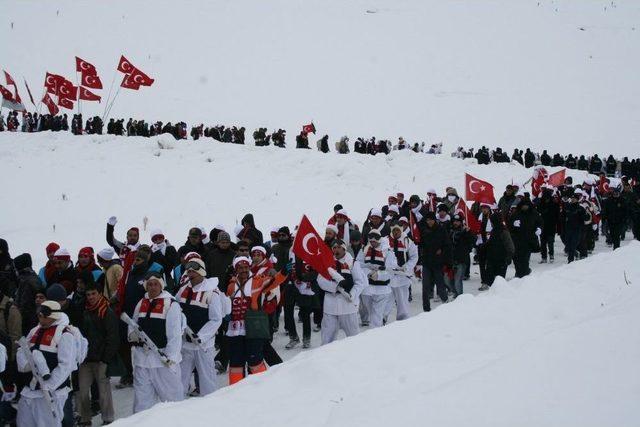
248 220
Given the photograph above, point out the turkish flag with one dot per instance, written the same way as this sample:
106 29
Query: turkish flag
478 190
309 246
53 108
65 103
68 91
469 218
6 93
415 230
540 176
87 95
52 82
10 81
129 84
140 78
310 128
557 179
603 186
124 66
91 80
85 68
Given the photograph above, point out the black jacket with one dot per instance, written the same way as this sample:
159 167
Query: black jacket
436 246
102 335
462 242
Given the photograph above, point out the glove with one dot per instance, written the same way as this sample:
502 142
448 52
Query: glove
516 223
538 232
41 364
9 393
594 227
134 336
288 267
112 221
347 285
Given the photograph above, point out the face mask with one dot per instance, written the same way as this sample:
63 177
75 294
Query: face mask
451 198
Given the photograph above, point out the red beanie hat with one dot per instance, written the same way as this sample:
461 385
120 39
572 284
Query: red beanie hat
86 252
52 248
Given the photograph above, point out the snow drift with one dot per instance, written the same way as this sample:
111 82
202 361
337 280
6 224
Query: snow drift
557 74
554 349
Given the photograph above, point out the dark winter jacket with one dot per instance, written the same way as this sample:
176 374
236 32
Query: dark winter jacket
574 218
28 284
168 261
499 248
249 231
462 243
102 335
614 210
436 246
281 252
134 288
217 261
549 211
523 236
66 278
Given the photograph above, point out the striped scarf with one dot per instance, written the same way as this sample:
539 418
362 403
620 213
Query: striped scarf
100 306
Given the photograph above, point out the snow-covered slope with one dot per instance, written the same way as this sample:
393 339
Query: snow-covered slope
558 348
63 188
556 74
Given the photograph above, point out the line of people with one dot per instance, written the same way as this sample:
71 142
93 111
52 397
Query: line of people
166 321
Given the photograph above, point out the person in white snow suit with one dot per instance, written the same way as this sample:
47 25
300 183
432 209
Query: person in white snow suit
406 254
340 310
53 349
204 306
378 263
159 316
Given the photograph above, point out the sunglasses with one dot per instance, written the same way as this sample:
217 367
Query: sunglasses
192 265
45 311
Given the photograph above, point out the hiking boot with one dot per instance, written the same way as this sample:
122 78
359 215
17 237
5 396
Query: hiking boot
292 343
551 259
220 368
484 287
543 261
125 382
306 342
317 328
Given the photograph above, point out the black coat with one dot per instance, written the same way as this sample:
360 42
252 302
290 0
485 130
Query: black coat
614 210
574 218
436 246
462 242
102 335
168 261
549 210
218 261
524 237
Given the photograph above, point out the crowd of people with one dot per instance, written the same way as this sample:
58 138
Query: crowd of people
167 320
610 166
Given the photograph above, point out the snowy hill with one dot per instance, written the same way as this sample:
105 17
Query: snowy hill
546 74
555 349
63 188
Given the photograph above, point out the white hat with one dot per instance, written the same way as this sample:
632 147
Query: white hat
403 218
332 227
155 232
200 269
241 260
107 254
259 249
376 212
55 308
154 277
394 208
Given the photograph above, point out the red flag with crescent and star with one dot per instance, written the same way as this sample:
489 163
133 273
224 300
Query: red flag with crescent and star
478 190
124 66
52 82
67 90
603 186
84 67
557 179
65 103
91 81
540 176
309 246
53 108
310 128
86 95
469 218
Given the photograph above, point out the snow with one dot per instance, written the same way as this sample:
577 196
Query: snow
531 73
557 348
563 341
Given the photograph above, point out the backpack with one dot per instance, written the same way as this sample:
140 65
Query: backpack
81 344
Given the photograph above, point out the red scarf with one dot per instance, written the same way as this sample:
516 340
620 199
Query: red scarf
100 306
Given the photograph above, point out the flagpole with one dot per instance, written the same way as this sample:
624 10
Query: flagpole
78 86
114 100
106 104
